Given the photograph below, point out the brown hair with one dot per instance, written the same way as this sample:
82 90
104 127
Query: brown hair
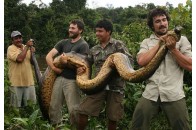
156 12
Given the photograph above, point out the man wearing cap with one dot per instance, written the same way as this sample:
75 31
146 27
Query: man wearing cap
20 71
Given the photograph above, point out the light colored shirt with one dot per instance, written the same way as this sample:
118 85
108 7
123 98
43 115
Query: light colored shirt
20 74
167 81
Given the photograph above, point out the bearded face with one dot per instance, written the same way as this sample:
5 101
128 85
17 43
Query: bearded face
73 35
160 24
162 30
74 31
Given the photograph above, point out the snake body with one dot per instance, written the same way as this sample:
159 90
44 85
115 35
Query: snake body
117 61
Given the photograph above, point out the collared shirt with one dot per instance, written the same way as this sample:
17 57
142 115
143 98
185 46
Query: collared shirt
167 81
98 55
20 74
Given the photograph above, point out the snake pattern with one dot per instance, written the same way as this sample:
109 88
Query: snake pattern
117 61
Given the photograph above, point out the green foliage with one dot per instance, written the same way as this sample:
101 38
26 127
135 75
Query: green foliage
26 118
6 79
182 15
133 92
49 24
26 123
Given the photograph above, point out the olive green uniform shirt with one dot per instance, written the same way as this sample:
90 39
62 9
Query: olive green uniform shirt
167 81
98 55
20 74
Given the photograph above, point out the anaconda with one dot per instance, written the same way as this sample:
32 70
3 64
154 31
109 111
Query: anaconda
90 86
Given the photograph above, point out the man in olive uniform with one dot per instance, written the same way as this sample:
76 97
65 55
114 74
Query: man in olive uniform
114 91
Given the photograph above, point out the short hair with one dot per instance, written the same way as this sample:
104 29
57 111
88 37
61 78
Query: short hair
79 23
106 24
156 12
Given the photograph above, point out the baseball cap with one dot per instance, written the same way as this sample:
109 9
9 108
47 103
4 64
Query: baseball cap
15 33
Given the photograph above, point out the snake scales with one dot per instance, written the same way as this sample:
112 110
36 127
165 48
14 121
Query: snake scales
120 63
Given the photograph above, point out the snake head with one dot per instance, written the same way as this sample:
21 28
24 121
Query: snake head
177 31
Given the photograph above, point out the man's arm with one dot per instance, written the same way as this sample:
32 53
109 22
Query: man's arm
183 61
20 58
49 60
144 58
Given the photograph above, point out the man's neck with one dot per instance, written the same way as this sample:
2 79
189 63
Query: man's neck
157 35
18 45
75 39
104 43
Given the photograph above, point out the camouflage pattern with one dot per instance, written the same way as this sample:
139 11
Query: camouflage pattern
98 55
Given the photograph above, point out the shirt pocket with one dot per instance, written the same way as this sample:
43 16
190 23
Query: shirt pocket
96 55
110 50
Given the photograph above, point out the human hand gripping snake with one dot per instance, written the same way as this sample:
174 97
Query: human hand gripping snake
89 86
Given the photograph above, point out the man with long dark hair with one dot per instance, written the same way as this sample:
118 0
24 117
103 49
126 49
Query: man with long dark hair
164 89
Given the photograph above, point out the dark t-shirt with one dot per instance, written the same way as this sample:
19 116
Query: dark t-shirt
65 46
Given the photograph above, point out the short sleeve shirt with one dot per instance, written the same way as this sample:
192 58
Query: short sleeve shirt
167 81
65 46
20 74
99 55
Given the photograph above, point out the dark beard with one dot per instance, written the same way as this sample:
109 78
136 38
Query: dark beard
160 33
73 36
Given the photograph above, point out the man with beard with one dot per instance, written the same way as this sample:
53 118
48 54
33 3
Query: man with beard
164 89
65 88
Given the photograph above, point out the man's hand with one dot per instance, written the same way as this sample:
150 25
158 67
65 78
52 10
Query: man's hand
111 63
29 43
80 70
63 59
57 70
170 41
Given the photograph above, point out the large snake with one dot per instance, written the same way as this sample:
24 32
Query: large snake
117 61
